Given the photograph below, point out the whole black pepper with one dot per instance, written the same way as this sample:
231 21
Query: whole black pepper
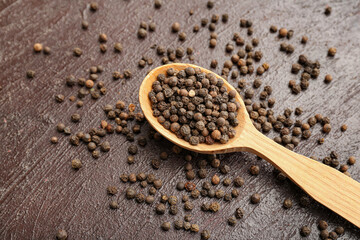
255 198
305 231
160 208
165 226
232 221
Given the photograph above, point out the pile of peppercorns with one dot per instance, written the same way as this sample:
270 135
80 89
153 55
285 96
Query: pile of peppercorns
195 106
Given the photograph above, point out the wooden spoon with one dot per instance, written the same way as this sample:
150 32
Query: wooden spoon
326 185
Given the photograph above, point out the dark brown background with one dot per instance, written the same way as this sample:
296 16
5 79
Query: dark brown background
40 193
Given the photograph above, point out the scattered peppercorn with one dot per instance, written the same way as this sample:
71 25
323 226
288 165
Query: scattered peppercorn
214 206
282 32
255 198
328 10
77 52
351 160
305 231
331 52
54 140
114 205
254 170
322 225
175 27
61 234
287 203
205 235
84 24
165 226
76 164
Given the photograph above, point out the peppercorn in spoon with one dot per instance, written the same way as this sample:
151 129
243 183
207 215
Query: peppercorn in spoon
326 185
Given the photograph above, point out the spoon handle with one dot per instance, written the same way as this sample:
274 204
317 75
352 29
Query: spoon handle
326 185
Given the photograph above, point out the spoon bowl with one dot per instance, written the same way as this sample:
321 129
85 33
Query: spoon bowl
231 146
326 185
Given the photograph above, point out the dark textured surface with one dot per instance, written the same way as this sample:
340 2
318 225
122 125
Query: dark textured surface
40 193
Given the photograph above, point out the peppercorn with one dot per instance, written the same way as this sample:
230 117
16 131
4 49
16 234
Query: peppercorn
157 183
351 160
152 28
214 207
175 27
238 181
212 43
67 130
225 18
205 206
182 36
254 170
76 164
227 182
328 10
178 224
304 39
124 178
273 29
331 52
130 193
205 235
202 173
132 149
54 140
165 226
326 128
210 4
215 18
84 25
305 231
152 191
160 208
229 47
38 47
157 4
188 206
287 203
61 234
46 50
103 48
30 74
324 234
132 177
295 68
59 98
339 230
194 228
187 226
333 235
232 221
328 78
142 33
290 49
304 201
188 218
322 225
344 168
111 190
77 52
282 32
255 198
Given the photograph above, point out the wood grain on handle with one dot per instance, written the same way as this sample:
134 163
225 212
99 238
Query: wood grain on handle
325 184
